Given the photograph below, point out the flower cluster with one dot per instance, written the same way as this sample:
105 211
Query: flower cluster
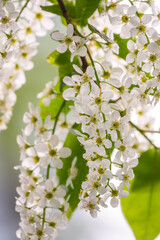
18 31
106 95
75 44
42 202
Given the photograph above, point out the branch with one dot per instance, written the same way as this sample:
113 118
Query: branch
66 16
64 11
142 132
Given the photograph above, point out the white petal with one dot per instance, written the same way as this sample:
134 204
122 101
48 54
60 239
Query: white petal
82 51
28 129
9 7
114 202
62 47
65 152
60 193
147 67
69 93
77 69
130 58
131 45
132 10
146 19
49 185
135 21
70 30
124 193
142 39
90 71
54 140
57 36
69 81
107 143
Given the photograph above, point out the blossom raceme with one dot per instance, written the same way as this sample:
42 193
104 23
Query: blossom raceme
41 202
18 31
104 89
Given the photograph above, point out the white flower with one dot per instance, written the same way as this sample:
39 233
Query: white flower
50 195
72 173
89 204
153 57
79 47
50 153
31 118
66 41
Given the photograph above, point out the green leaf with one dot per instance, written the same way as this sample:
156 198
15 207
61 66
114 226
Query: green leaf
142 206
122 43
53 1
59 59
77 151
52 9
65 66
55 9
84 9
54 107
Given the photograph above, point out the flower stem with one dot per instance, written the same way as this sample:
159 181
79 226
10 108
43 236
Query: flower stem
131 2
144 135
25 5
49 166
93 65
150 131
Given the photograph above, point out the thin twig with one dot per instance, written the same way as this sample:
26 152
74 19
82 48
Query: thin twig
151 131
25 5
49 166
92 62
144 135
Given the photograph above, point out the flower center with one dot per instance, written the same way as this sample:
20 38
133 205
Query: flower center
99 140
39 233
101 171
39 16
98 100
68 40
122 148
115 193
53 152
141 28
34 119
49 195
152 57
144 79
5 20
115 125
36 159
28 30
125 18
64 124
93 120
106 74
52 224
136 52
96 185
77 88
